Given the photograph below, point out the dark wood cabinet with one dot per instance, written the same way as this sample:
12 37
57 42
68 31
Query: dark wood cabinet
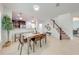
18 23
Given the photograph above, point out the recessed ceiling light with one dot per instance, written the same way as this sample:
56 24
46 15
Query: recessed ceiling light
36 7
32 20
20 18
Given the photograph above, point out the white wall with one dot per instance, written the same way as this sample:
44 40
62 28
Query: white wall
8 12
53 31
1 13
76 13
65 22
0 23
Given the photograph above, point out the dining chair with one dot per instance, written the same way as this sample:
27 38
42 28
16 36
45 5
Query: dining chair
22 41
43 36
35 39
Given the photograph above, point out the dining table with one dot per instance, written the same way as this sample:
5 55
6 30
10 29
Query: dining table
27 35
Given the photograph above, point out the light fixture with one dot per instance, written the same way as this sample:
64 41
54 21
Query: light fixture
36 7
75 18
20 18
33 21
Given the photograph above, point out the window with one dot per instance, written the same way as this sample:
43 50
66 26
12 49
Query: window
75 18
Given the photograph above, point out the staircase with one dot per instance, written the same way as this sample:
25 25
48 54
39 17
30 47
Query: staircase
63 35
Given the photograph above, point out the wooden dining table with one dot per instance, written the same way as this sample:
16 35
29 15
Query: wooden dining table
28 36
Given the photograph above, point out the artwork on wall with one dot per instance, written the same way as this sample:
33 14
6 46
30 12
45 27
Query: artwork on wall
48 27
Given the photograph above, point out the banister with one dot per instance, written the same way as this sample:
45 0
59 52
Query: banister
54 23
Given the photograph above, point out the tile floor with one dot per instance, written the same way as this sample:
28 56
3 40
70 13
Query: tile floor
53 47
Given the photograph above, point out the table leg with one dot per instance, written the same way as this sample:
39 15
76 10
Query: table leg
18 46
33 46
28 46
40 43
15 38
45 39
21 49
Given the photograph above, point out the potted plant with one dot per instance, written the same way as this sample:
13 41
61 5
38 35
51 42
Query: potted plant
7 25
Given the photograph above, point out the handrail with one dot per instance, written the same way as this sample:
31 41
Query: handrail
54 23
60 29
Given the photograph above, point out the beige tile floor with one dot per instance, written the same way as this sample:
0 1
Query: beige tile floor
53 47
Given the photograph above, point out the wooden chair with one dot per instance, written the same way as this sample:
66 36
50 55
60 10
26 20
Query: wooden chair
43 36
38 38
22 41
33 39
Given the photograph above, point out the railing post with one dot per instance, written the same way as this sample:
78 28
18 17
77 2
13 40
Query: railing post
53 23
60 30
60 35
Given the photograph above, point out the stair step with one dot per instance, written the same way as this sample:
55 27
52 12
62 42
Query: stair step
58 28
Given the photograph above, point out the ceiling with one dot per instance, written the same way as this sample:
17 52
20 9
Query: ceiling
46 11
